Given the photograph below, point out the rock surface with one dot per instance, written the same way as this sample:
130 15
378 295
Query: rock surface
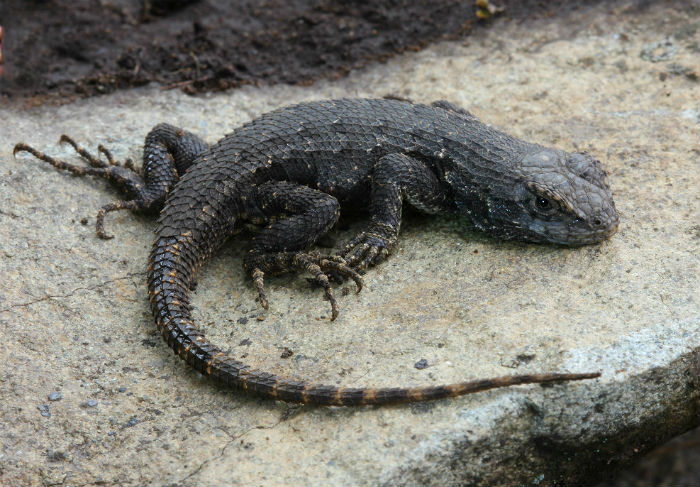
620 82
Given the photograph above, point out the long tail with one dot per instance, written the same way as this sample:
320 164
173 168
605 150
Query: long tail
174 262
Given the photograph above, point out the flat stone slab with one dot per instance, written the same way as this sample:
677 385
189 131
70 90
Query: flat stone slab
91 396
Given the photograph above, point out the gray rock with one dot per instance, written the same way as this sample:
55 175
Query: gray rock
659 51
471 306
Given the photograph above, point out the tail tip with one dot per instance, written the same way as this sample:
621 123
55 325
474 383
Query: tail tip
19 147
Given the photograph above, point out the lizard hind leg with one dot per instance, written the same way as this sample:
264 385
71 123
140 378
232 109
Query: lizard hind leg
296 217
168 153
125 176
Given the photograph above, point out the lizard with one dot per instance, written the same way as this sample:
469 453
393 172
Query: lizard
291 172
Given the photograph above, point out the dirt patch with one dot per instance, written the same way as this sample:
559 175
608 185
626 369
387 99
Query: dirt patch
65 49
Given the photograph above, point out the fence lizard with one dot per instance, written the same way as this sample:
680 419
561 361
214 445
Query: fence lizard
293 170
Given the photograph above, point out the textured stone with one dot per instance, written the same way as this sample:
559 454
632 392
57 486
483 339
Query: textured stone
74 313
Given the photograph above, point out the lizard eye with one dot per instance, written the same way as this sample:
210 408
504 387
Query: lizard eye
544 206
544 202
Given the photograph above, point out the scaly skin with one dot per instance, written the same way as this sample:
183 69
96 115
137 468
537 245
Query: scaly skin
293 170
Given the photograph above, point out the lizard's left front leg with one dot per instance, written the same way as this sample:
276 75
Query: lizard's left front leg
395 177
297 216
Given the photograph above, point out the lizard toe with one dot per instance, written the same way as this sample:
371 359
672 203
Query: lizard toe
320 268
366 250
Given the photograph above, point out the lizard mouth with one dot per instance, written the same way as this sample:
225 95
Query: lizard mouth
575 232
596 231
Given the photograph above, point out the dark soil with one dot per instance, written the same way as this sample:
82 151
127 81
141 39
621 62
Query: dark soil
68 48
675 464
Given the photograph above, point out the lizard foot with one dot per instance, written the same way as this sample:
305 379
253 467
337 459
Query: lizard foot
368 248
318 266
126 176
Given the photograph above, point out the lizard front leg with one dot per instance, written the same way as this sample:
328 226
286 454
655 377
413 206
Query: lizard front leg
395 177
168 153
296 217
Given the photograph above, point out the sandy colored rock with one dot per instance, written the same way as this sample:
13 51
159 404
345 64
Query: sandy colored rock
74 314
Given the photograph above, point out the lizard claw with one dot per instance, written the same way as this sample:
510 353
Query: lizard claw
319 267
368 248
257 276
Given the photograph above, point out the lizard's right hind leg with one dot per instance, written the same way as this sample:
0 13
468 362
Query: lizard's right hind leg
168 153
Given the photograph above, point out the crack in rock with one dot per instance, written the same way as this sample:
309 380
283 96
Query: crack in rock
233 439
71 292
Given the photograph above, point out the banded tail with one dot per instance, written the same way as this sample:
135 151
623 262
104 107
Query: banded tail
174 262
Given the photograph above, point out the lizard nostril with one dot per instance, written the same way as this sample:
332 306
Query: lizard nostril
597 222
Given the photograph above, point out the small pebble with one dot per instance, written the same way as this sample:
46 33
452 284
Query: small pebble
659 51
44 410
55 456
421 364
55 396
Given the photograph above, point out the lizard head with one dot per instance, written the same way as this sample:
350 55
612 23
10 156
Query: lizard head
551 197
